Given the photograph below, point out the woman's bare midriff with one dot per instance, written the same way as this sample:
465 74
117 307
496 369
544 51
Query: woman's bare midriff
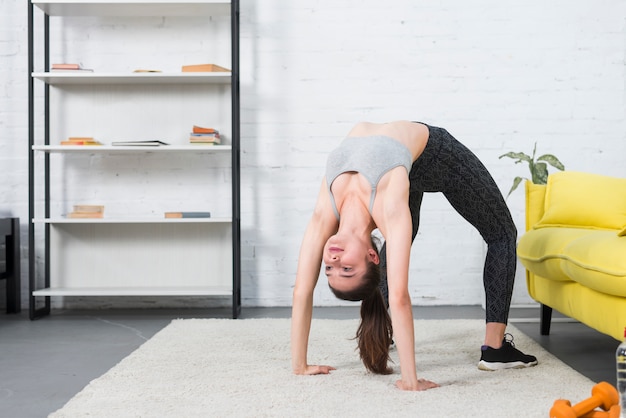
413 135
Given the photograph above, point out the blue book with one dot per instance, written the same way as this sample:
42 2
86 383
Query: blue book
187 214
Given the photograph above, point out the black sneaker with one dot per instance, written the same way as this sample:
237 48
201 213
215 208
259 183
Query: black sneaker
505 357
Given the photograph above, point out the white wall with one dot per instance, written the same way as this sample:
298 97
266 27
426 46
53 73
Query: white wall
500 76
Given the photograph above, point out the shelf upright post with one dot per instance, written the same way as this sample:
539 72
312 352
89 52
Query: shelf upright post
35 312
235 166
47 159
31 176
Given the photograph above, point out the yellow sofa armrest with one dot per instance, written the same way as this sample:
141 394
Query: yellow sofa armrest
535 203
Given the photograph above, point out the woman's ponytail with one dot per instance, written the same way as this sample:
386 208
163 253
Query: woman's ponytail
374 335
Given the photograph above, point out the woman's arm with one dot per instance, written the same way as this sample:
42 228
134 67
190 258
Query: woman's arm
397 228
321 226
398 240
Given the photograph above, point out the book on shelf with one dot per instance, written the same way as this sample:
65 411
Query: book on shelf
202 130
87 212
187 214
85 215
204 139
89 208
140 70
152 143
69 67
80 140
204 68
66 66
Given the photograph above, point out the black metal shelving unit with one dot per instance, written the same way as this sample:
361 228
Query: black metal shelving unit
40 306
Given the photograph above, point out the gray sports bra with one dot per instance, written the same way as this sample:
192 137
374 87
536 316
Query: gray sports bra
371 156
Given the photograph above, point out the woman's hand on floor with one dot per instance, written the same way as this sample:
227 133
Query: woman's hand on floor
422 384
313 369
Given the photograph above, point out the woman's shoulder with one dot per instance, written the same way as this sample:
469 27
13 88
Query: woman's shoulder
401 130
364 128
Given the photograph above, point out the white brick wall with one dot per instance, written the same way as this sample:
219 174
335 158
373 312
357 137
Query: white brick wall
498 75
13 124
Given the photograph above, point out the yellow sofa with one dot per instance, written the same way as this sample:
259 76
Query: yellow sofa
574 249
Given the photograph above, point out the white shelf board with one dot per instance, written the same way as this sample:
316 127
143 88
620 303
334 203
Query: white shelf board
135 291
118 149
134 220
85 77
134 8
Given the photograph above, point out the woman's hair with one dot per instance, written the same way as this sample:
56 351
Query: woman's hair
374 335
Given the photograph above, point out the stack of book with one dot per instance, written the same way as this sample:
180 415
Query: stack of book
204 136
87 211
80 140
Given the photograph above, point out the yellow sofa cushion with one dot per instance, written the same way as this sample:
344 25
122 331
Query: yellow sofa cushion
542 251
598 261
593 258
584 200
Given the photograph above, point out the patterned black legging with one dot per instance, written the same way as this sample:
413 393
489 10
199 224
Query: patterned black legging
447 166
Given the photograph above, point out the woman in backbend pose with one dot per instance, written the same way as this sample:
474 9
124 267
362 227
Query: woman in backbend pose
376 179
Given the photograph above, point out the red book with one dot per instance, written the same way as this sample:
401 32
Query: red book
66 66
201 130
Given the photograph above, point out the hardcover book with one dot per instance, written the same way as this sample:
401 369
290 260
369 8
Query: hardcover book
138 143
204 68
187 214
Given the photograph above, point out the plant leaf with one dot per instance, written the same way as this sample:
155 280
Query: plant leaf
552 160
516 182
540 173
519 156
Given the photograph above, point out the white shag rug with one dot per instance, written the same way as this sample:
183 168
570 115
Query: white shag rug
242 368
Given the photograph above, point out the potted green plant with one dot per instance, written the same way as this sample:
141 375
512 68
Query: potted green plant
538 167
